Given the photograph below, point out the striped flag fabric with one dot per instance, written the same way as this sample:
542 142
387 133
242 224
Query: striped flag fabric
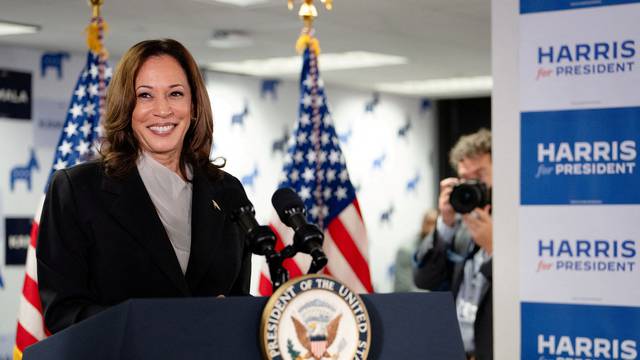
78 142
315 168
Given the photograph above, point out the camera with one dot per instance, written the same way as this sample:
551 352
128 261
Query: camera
468 195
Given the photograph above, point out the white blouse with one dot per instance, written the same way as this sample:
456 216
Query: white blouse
172 198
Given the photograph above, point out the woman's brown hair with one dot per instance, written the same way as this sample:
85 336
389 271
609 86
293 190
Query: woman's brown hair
120 148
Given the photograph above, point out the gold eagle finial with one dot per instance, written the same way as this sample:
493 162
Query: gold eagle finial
308 12
308 8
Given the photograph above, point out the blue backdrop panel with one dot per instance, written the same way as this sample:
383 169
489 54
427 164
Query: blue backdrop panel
563 331
580 157
533 6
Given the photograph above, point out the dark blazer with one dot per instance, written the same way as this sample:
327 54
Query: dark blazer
435 270
101 242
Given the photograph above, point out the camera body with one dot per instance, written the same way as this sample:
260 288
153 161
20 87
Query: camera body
468 195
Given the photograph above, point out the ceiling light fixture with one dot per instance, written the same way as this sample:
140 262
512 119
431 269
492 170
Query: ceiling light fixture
439 88
243 3
228 39
12 28
292 65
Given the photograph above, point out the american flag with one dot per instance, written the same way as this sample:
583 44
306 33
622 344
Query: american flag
78 142
315 168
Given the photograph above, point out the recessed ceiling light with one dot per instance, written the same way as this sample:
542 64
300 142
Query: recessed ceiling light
451 87
236 2
11 28
227 39
293 64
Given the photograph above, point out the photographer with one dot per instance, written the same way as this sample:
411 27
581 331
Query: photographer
456 256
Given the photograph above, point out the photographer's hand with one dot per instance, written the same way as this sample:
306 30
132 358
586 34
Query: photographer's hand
446 210
480 226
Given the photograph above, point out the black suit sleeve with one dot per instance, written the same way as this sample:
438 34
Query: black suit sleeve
483 326
433 271
62 253
242 284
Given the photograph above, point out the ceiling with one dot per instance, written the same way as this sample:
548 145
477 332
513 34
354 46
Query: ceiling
440 38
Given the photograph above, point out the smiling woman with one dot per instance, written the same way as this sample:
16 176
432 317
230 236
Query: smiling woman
156 84
139 221
162 113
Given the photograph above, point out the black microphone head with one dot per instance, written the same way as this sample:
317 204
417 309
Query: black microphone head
234 200
285 199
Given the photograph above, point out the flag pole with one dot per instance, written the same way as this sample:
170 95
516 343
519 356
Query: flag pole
96 29
95 42
316 170
80 130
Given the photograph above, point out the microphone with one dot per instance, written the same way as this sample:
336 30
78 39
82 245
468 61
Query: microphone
308 237
262 240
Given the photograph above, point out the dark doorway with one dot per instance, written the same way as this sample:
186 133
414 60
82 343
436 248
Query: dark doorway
458 117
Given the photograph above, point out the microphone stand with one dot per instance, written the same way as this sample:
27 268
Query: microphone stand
262 240
318 261
308 239
318 258
279 275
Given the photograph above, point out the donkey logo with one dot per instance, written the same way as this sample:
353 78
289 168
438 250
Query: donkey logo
24 172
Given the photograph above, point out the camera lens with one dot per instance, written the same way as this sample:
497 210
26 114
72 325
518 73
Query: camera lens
469 195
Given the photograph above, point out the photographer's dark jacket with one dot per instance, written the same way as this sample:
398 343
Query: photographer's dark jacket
441 268
101 242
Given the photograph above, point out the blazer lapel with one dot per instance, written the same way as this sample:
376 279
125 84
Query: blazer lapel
207 221
135 211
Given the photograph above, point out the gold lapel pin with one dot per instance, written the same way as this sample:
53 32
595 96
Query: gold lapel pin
215 205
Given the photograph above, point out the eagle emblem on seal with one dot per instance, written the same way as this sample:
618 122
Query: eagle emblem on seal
317 338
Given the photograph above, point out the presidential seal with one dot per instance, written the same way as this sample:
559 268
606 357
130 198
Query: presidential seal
315 317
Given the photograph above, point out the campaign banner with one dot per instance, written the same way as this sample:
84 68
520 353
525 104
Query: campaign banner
580 156
579 332
528 6
15 94
580 254
17 236
580 59
579 197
